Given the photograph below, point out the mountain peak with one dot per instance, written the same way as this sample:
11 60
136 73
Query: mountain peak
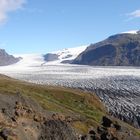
65 55
6 59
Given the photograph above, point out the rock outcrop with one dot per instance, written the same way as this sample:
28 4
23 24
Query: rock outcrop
50 57
6 59
109 130
23 119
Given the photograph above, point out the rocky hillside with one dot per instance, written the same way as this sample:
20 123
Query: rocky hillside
6 59
117 50
35 112
23 119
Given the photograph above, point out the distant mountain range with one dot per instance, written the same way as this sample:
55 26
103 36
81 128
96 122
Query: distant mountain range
117 50
6 59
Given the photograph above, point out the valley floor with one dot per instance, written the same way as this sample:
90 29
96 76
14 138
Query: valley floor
117 87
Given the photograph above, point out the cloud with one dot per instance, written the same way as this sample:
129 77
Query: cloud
134 14
7 6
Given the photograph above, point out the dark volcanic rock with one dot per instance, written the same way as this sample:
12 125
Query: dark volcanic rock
57 130
50 57
106 122
109 132
117 50
6 59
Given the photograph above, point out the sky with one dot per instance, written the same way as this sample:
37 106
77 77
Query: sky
42 26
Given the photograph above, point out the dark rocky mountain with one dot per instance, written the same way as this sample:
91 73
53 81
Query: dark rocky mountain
117 50
6 59
50 57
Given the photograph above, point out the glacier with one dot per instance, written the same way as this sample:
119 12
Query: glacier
117 87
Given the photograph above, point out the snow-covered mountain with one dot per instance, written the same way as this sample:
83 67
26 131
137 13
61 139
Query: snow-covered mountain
63 56
131 32
33 61
50 58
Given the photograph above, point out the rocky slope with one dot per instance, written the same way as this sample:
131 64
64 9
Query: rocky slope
6 59
109 130
23 119
117 50
34 112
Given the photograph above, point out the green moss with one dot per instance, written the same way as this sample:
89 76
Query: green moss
56 99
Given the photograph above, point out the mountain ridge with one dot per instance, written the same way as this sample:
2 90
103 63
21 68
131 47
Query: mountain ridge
117 50
6 59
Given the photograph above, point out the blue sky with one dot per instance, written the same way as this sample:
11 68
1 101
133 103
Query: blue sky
41 26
